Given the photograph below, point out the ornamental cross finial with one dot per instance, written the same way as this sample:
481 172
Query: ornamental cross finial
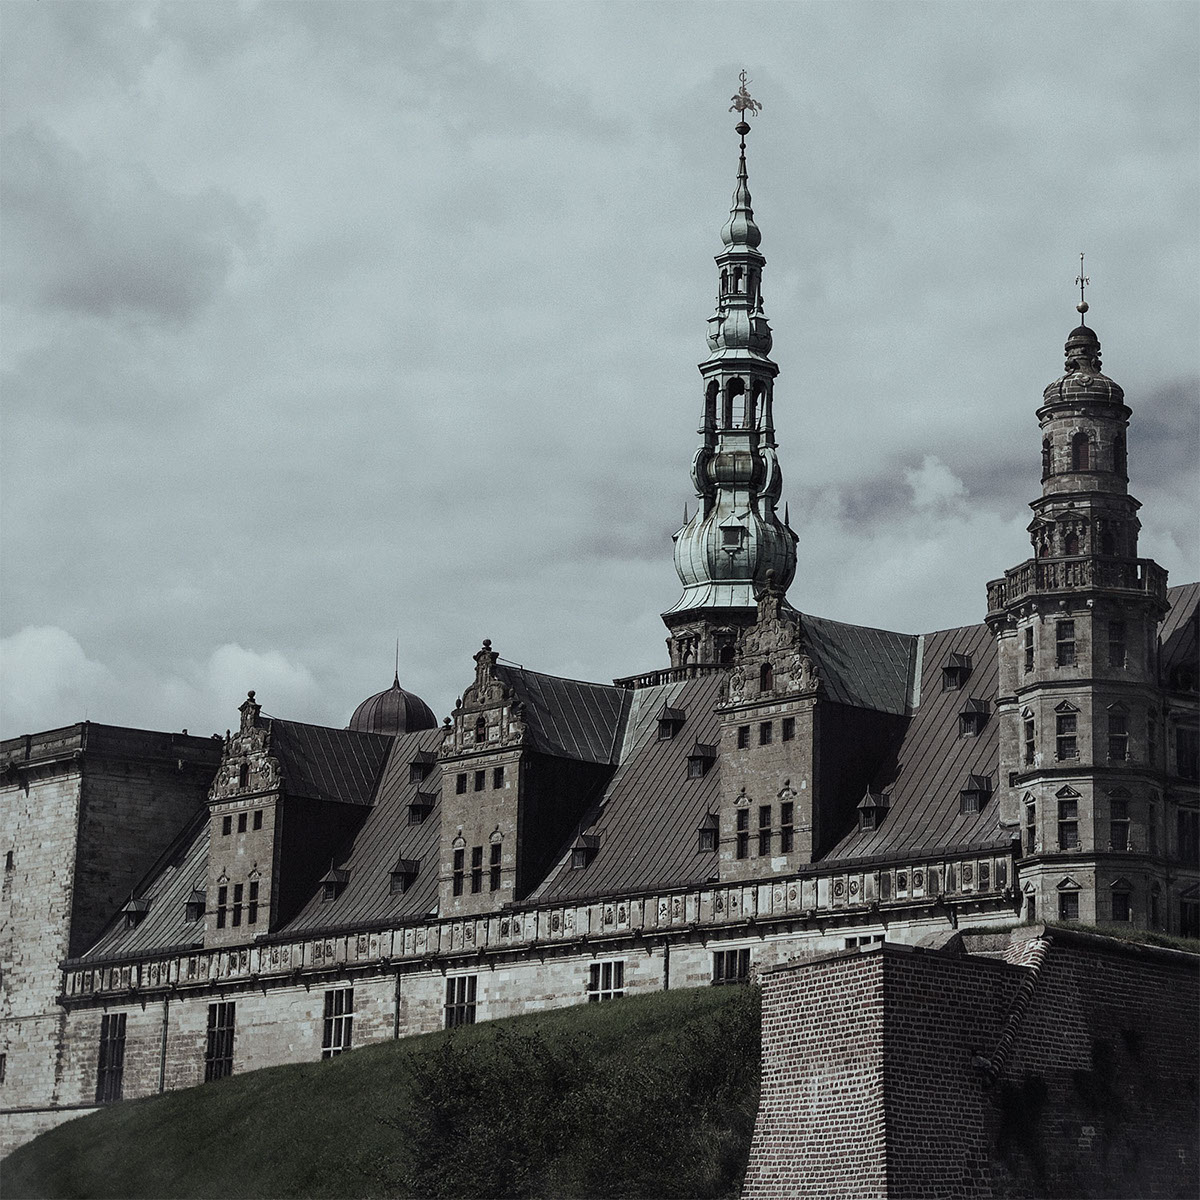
743 102
1082 280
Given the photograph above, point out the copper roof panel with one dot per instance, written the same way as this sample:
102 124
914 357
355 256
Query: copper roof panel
341 765
866 668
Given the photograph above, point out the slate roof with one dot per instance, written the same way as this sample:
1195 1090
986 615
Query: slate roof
648 818
170 882
341 765
567 718
1180 630
384 839
933 761
866 668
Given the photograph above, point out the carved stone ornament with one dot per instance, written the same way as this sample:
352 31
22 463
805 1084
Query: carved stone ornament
737 685
246 763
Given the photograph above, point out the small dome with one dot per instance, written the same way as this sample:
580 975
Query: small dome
392 712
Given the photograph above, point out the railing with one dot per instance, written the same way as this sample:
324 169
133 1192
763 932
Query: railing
670 675
1069 574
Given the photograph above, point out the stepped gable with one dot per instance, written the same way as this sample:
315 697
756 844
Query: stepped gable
567 718
1180 633
647 822
386 838
168 887
318 763
860 666
933 761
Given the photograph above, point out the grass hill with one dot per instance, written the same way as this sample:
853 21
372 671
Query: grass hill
653 1096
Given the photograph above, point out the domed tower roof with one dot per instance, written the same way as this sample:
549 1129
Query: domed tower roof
392 712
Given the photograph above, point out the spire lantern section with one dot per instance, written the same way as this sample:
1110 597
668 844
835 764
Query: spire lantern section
724 552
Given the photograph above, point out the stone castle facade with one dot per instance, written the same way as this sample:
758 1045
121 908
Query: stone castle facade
176 908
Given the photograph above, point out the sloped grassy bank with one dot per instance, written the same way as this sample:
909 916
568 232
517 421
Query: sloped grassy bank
653 1096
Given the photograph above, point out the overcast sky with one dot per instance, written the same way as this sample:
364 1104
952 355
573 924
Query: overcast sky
328 324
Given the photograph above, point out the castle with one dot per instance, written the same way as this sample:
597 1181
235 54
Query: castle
178 908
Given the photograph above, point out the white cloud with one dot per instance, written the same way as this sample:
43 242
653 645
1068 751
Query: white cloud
933 484
47 680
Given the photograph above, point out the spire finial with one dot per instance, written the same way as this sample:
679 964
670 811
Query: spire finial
744 103
396 680
1082 280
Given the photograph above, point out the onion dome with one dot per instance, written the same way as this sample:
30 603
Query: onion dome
392 712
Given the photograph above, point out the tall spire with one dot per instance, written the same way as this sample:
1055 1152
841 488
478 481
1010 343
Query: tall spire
723 553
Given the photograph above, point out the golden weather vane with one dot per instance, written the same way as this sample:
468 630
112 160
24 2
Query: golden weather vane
1082 280
743 102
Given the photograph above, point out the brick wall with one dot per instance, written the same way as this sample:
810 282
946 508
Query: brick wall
873 1079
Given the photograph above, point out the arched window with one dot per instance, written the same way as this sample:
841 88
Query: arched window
756 406
766 677
735 405
244 775
480 729
726 655
1120 461
1047 459
737 279
1081 456
1071 543
1108 543
724 282
710 405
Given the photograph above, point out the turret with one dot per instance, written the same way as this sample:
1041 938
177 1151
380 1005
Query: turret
723 553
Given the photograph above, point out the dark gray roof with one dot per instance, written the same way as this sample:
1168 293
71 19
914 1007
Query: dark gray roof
567 718
866 668
168 887
647 821
391 712
934 763
385 838
1180 632
328 764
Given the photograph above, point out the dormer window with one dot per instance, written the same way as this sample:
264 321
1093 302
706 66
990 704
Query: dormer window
670 721
975 793
706 834
135 912
583 850
194 908
731 537
700 758
973 717
420 808
955 671
871 810
333 883
420 766
403 875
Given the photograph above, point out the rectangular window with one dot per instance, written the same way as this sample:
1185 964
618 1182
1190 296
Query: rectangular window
1152 739
417 771
494 868
222 905
743 833
1029 649
1188 829
786 833
764 733
417 813
1152 828
1064 643
480 780
697 768
257 818
111 1068
867 939
226 825
459 856
497 777
218 1050
1118 736
1030 741
476 870
731 966
743 736
1068 906
764 829
242 822
1116 644
339 1022
237 905
606 981
1120 906
252 907
1118 824
1031 908
1068 824
460 783
460 1001
788 731
1187 753
1064 731
1030 829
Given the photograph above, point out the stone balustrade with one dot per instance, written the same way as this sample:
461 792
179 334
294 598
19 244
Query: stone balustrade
1038 575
